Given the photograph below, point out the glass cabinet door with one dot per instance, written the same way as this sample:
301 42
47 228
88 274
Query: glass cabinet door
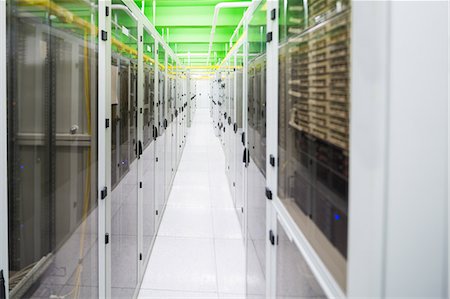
52 149
160 177
148 155
256 168
313 137
124 204
238 143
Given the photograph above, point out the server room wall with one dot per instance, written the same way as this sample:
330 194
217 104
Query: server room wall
203 91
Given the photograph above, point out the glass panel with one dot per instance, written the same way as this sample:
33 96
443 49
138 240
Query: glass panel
239 145
160 141
148 156
229 124
221 106
175 117
294 278
178 96
170 128
52 149
313 133
180 117
256 201
124 241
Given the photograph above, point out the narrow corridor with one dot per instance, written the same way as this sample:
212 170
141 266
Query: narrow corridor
199 251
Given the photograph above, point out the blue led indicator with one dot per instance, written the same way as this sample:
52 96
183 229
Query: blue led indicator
336 216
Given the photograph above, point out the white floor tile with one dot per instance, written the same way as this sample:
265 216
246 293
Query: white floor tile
190 196
185 178
230 259
226 224
182 264
186 222
160 294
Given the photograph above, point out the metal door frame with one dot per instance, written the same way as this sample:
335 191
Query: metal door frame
139 144
3 153
271 143
104 149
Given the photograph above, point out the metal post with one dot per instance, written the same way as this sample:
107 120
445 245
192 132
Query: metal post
272 142
104 147
140 138
3 159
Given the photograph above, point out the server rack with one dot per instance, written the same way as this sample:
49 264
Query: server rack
150 137
160 184
51 98
313 135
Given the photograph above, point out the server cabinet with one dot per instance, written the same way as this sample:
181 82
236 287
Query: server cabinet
52 150
221 107
215 103
173 89
160 142
181 110
314 128
230 134
119 111
255 166
239 144
256 200
149 104
170 130
149 153
124 196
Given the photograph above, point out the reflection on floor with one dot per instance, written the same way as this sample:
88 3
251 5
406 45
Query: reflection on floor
199 251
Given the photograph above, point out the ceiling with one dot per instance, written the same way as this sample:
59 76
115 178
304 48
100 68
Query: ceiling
186 27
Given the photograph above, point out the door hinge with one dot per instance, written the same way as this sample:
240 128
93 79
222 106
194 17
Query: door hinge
246 157
273 14
268 193
269 37
140 149
2 285
140 256
235 128
272 160
104 35
140 185
107 123
155 132
107 11
106 238
243 138
272 237
157 212
104 193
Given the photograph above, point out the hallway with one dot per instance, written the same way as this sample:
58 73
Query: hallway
199 251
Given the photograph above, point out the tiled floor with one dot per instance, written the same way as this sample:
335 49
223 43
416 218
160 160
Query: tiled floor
199 251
